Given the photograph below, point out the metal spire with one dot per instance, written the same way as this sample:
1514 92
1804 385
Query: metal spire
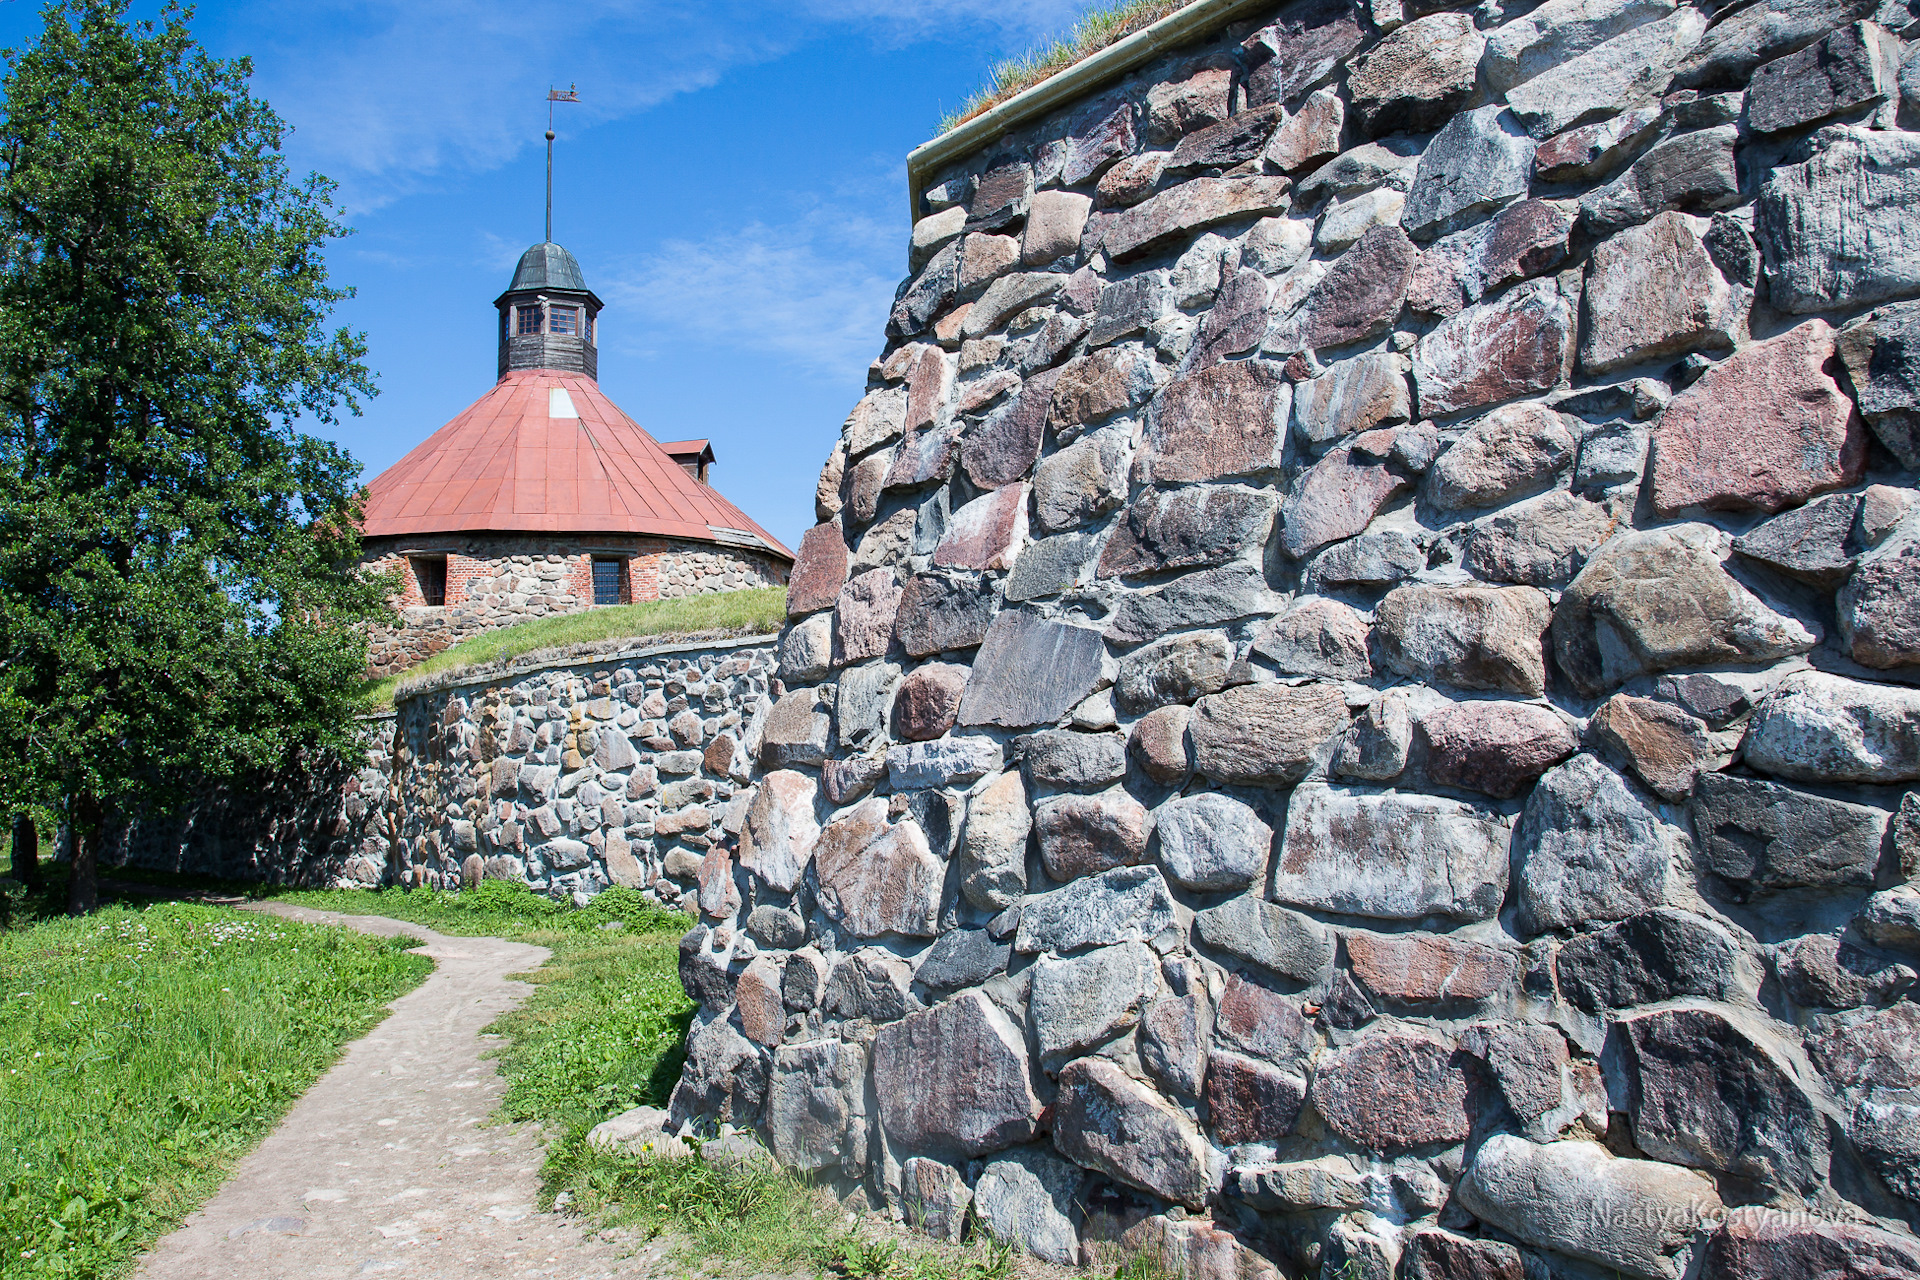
569 94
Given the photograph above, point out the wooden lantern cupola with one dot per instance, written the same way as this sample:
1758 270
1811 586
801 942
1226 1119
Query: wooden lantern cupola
549 319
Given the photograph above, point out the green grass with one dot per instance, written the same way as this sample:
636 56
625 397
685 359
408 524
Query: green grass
1101 27
143 1050
495 909
754 612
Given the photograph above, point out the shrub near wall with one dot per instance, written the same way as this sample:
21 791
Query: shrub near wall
1352 700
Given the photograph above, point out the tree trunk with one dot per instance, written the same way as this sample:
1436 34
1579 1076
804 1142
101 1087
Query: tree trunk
26 850
83 881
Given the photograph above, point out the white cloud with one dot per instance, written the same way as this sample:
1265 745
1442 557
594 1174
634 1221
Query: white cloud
815 292
497 253
920 19
389 98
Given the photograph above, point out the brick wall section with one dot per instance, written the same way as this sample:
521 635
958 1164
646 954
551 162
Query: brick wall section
497 580
580 579
643 577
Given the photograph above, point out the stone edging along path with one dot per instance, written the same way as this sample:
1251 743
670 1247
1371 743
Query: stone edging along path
388 1165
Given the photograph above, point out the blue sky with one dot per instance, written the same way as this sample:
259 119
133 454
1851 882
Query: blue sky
733 184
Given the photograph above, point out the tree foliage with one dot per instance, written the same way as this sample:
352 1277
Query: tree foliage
178 601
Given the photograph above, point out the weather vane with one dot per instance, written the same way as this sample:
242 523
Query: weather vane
569 94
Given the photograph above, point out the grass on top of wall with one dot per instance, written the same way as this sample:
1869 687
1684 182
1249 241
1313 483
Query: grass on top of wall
494 909
145 1048
727 613
1101 27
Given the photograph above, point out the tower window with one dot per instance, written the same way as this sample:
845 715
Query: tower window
526 320
606 579
430 574
565 321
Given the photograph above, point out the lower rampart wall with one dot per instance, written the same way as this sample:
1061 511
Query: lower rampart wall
568 775
300 825
623 769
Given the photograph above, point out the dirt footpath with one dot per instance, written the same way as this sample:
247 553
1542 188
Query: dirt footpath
388 1167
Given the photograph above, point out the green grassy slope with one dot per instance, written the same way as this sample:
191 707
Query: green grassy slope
757 612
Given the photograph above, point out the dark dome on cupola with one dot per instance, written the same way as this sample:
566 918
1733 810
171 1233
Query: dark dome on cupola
548 266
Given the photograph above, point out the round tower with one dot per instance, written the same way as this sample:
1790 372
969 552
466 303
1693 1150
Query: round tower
543 497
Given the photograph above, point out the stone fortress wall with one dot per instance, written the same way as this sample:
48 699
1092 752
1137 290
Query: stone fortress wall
622 768
497 580
1352 706
294 825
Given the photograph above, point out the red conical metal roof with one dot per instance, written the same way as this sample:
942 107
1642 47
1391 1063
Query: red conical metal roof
546 451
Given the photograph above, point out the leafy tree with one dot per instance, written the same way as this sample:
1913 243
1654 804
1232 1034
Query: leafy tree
178 601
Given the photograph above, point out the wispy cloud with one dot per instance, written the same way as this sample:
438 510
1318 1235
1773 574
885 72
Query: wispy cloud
813 292
919 19
391 98
497 253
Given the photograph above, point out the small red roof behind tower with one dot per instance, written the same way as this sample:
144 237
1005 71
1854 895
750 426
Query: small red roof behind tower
546 451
